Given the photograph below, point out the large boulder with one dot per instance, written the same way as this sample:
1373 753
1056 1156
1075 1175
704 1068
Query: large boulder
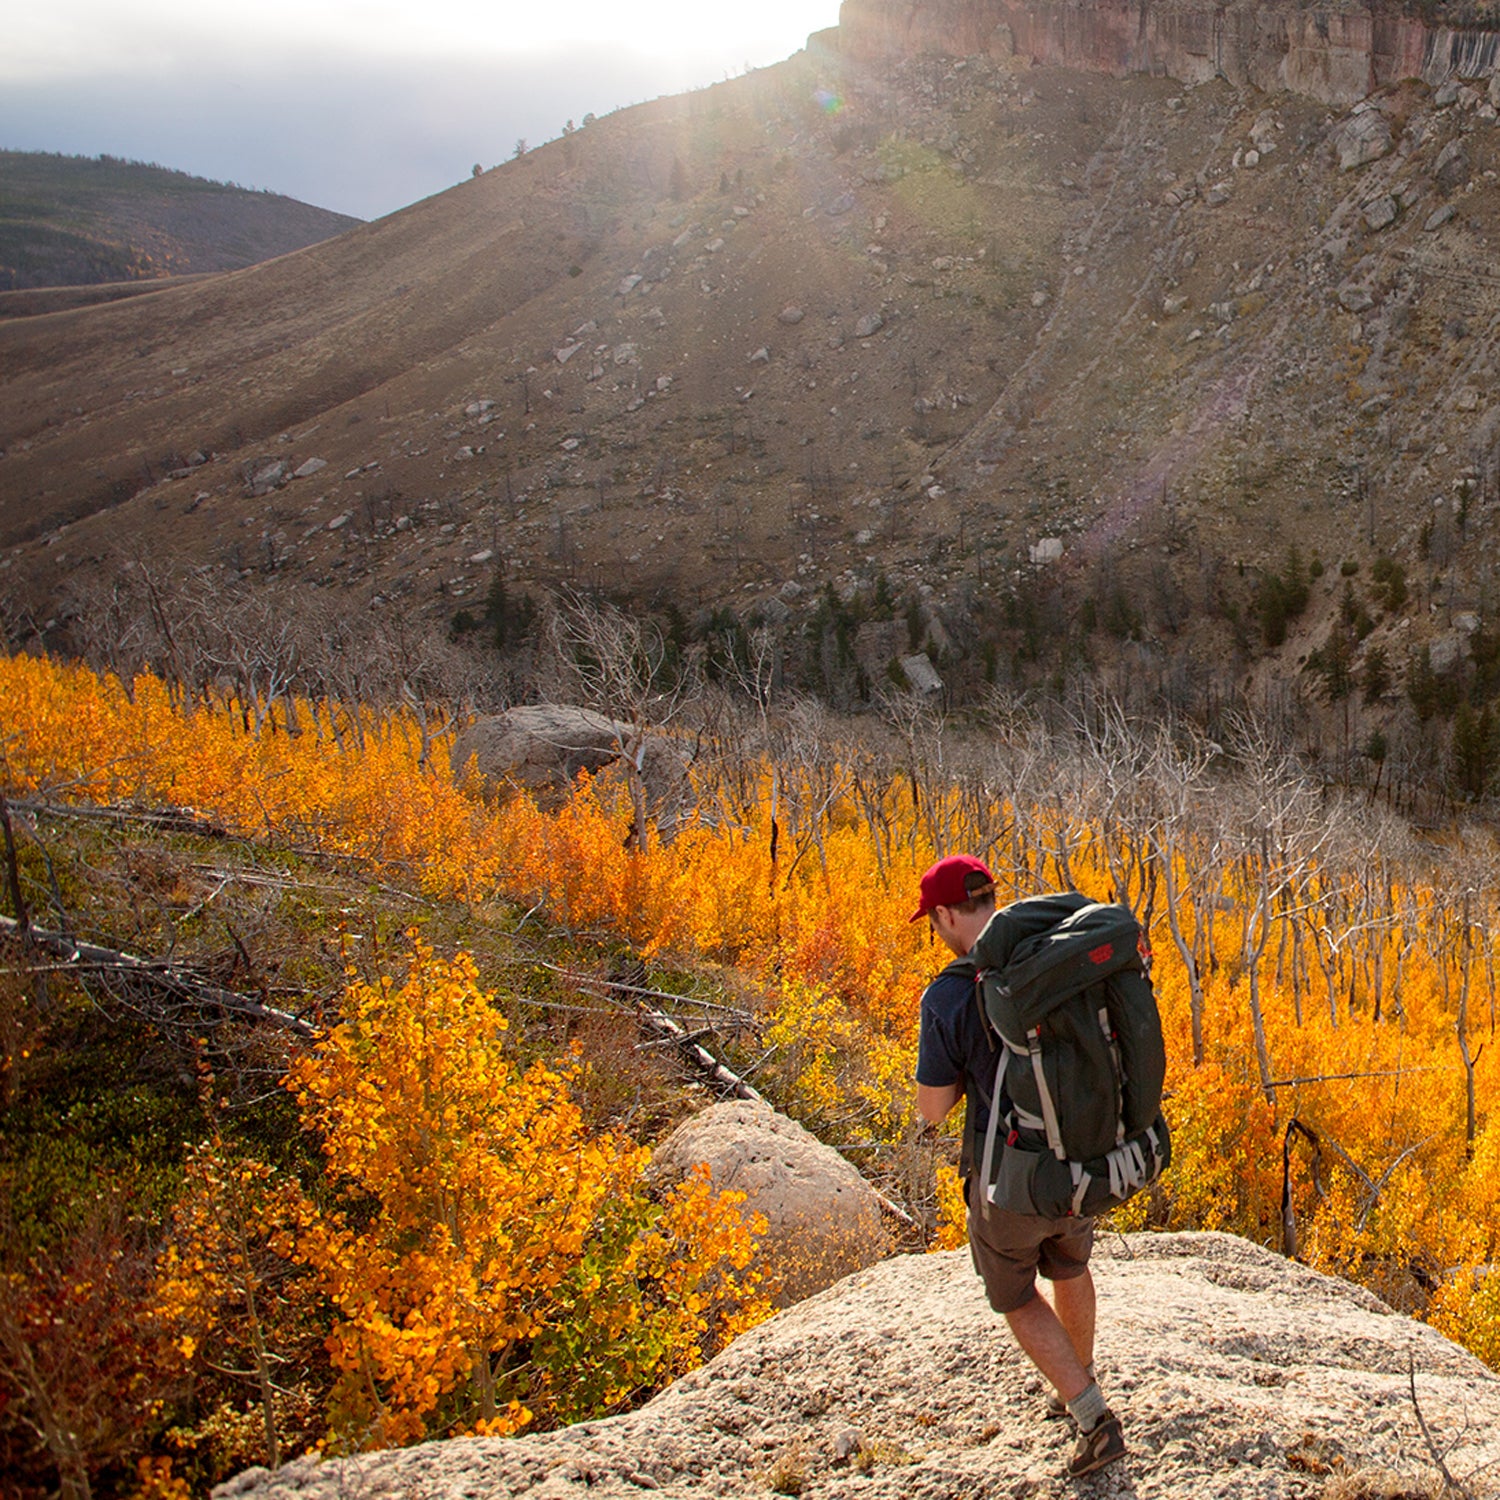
1363 138
1239 1375
824 1218
541 748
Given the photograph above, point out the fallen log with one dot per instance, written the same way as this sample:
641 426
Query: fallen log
93 958
160 819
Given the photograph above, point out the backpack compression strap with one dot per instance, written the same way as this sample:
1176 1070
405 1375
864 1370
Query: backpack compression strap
985 1188
1129 1170
1049 1109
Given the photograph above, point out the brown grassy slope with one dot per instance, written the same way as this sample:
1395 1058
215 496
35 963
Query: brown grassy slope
456 298
1100 323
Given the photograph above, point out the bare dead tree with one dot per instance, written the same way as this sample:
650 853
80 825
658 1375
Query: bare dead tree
621 666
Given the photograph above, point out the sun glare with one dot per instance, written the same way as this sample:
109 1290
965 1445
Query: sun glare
675 26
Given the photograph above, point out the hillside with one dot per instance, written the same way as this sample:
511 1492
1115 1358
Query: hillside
1063 369
1234 1372
78 220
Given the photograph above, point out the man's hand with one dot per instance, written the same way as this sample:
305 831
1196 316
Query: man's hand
933 1103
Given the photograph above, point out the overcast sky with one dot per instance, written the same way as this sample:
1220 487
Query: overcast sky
360 107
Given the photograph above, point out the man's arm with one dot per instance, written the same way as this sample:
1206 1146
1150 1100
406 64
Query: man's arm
934 1102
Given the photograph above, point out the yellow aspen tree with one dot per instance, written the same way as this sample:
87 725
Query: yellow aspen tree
475 1235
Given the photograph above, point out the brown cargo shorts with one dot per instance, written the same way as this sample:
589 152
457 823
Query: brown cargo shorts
1009 1249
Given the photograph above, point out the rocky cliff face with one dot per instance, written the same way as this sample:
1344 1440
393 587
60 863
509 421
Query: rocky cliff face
1337 54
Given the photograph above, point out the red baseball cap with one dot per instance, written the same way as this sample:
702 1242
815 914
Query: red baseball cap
952 881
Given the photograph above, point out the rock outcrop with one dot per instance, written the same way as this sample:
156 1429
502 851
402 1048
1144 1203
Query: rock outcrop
1338 54
541 748
1236 1373
823 1218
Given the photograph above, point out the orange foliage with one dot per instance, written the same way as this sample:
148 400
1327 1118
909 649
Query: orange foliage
1361 1018
485 1257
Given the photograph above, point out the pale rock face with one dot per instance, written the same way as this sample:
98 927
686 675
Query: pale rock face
824 1218
921 676
1235 1372
1337 54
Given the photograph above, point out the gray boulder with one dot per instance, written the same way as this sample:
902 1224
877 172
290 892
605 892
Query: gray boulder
824 1218
541 748
1452 168
264 475
921 676
1365 137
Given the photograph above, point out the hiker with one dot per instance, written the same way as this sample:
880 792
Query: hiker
957 1058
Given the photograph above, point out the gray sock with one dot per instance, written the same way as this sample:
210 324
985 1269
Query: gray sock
1087 1408
1088 1370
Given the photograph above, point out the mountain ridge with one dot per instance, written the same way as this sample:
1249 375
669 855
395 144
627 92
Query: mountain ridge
77 220
1063 363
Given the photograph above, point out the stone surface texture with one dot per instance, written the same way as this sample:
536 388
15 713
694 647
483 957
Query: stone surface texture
824 1219
1236 1373
1334 54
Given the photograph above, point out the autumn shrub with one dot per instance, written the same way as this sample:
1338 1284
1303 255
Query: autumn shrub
487 1263
80 1365
243 1331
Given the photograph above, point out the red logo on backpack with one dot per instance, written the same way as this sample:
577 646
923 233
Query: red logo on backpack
1102 954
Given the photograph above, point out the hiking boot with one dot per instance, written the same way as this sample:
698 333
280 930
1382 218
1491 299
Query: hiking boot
1099 1446
1056 1408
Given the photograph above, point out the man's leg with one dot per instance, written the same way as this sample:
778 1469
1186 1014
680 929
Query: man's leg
1050 1346
1073 1301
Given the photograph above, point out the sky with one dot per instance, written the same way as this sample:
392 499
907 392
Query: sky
362 106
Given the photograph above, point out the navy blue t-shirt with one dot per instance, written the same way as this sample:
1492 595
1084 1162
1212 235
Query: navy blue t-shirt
953 1045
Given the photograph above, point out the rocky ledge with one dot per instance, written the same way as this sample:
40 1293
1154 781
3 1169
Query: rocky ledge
1237 1374
1336 53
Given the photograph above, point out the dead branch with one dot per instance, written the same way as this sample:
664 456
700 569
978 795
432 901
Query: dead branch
1286 1083
91 957
1450 1485
13 872
643 992
668 1029
161 819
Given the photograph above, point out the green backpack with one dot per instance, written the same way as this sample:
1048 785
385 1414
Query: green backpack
1064 990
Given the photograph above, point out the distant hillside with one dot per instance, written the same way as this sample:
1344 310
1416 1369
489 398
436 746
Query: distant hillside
80 220
1053 375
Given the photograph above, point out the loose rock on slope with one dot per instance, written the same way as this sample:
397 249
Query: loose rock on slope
1237 1374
